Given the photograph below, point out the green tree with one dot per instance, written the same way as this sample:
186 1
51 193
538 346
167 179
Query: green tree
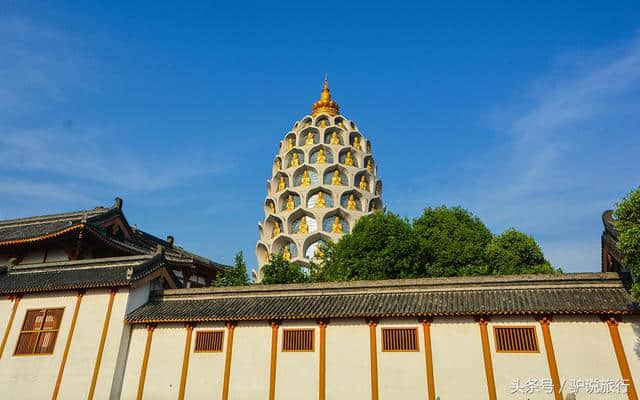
627 215
233 276
380 246
452 242
280 270
514 252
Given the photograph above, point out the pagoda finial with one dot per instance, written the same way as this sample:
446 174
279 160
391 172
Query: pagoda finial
325 104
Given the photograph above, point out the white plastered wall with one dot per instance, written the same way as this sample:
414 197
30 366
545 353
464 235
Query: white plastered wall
165 362
250 361
206 370
458 363
629 329
584 351
348 373
401 375
297 372
521 366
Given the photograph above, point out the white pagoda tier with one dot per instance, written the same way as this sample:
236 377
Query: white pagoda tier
323 179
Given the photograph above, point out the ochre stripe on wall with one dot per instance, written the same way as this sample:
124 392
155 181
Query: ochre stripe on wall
428 358
185 361
145 361
322 378
16 301
486 353
65 354
103 338
227 360
374 358
551 356
612 322
274 353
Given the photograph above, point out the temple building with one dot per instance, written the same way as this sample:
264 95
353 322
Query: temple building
323 179
92 307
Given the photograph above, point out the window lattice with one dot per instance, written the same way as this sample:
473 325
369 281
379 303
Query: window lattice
297 340
399 339
516 339
209 341
39 331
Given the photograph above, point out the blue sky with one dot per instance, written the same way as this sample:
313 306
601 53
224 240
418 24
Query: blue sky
526 114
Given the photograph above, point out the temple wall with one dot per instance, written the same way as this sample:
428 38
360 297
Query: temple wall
297 372
250 362
206 370
521 366
348 350
584 351
630 335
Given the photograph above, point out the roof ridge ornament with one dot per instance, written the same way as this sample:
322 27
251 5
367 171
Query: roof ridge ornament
325 104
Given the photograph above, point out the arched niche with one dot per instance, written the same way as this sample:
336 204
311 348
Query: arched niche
283 200
302 138
357 199
378 191
339 121
370 164
263 253
328 134
375 205
329 219
295 219
285 143
312 243
313 195
315 151
275 183
281 242
353 126
322 121
328 175
306 121
277 164
269 226
356 136
342 157
368 146
298 175
269 206
288 158
368 180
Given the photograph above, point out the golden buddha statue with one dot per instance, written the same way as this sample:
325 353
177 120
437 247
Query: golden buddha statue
323 123
278 164
290 203
319 253
322 158
309 141
306 179
363 183
303 228
341 124
320 203
337 226
334 138
370 165
356 143
276 229
348 160
351 203
272 208
335 178
295 161
289 144
281 184
286 253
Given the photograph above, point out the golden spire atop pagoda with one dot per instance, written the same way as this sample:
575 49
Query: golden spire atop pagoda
325 104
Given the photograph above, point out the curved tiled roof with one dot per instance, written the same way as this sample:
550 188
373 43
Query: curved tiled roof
513 295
